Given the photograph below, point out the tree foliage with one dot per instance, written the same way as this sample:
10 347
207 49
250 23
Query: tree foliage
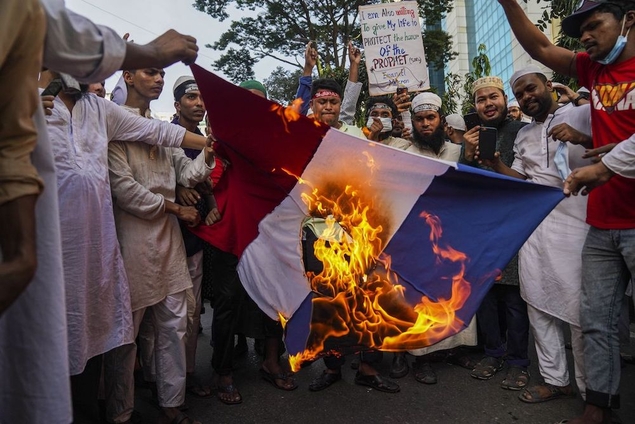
281 28
282 85
560 9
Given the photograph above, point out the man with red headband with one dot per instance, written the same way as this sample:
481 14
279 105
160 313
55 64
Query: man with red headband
607 69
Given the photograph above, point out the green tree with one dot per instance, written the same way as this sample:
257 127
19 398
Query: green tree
281 28
282 85
480 68
560 9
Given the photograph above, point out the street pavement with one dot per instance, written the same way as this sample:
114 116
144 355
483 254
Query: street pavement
456 398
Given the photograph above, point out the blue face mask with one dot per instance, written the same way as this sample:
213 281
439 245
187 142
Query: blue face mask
561 160
620 43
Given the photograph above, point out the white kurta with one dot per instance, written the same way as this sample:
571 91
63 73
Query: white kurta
142 178
34 384
97 294
550 262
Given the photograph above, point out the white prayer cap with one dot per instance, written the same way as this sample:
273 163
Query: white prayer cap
531 69
513 103
456 121
426 101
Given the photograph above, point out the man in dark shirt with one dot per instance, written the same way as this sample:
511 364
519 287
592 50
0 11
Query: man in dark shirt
501 346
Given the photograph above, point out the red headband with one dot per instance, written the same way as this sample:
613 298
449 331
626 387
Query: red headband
325 93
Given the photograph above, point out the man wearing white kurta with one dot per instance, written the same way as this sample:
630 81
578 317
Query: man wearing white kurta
550 261
143 181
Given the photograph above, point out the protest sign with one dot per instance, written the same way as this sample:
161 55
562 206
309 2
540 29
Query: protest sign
393 47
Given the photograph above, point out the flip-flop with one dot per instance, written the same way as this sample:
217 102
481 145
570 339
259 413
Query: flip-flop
271 378
231 390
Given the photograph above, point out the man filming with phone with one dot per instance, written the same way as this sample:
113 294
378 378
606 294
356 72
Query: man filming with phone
491 107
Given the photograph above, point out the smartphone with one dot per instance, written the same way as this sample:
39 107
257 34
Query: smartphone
471 120
402 90
487 142
54 88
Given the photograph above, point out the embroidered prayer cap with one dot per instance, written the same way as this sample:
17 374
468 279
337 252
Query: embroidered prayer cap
184 85
484 82
571 24
426 101
254 85
456 121
531 69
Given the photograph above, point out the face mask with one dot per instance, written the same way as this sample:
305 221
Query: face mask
620 43
386 122
561 160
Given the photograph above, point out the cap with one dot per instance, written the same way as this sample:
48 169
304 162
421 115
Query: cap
571 24
254 85
495 82
184 85
426 101
456 121
531 69
513 103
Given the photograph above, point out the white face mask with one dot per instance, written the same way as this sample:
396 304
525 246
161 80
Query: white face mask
386 122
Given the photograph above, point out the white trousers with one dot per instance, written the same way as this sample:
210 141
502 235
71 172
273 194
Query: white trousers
195 266
552 357
169 319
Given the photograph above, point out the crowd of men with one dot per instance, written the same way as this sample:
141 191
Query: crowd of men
102 279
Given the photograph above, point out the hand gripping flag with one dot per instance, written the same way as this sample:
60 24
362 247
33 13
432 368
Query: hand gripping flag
353 244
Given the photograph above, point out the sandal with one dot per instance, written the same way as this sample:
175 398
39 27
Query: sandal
463 360
545 392
235 398
324 380
424 373
376 382
288 384
487 368
517 378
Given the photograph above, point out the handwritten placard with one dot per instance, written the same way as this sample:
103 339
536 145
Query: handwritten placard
393 47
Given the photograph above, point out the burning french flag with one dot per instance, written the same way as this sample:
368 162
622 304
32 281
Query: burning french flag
353 244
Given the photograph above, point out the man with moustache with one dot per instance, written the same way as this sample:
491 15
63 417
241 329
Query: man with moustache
428 130
550 261
608 256
429 139
490 101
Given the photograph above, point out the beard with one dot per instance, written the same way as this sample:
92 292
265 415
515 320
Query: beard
433 141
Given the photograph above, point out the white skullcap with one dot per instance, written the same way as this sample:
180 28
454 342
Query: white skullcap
513 103
426 101
456 121
531 69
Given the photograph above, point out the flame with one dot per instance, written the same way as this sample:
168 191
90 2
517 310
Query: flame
289 113
358 297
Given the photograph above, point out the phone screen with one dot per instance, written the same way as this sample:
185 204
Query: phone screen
487 142
471 120
401 90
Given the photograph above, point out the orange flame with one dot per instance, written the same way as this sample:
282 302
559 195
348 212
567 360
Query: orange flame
359 298
289 113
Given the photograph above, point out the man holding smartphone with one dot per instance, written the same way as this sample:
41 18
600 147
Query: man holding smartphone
491 106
